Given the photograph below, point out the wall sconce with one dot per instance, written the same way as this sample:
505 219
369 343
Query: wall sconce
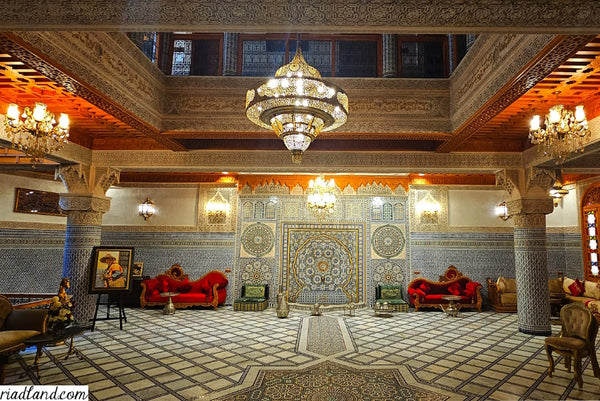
428 209
146 209
557 192
502 211
217 209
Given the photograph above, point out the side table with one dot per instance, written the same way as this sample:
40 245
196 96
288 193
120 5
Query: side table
50 338
452 308
169 308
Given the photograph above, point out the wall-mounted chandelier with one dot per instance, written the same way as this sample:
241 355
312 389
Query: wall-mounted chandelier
321 196
564 132
297 104
502 211
146 209
217 209
37 134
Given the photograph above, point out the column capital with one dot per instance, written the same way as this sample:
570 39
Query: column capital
84 209
81 179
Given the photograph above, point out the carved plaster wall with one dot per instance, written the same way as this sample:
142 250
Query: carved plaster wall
334 16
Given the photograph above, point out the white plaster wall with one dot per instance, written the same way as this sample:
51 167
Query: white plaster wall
8 185
174 206
566 214
476 208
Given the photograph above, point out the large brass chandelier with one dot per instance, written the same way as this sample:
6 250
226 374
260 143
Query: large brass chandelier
564 132
297 104
321 197
37 134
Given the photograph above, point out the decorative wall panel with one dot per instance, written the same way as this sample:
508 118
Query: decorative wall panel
323 263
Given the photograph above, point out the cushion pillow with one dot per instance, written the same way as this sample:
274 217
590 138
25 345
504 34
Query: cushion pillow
416 291
577 288
454 289
390 293
162 286
254 291
173 285
425 287
153 292
501 284
592 289
566 283
184 287
471 288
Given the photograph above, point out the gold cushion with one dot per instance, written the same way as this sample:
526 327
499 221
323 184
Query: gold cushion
506 285
501 284
9 338
592 290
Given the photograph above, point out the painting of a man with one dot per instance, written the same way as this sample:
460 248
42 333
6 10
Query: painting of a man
113 274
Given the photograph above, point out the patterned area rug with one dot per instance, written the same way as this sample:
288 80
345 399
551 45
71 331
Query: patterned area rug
325 336
330 381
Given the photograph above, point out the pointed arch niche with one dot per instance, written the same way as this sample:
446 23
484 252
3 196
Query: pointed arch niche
590 214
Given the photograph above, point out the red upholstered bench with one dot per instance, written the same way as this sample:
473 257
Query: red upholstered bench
424 293
209 290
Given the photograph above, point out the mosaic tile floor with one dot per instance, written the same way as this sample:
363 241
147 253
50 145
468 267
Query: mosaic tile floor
206 355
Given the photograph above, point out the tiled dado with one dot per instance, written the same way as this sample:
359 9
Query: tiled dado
197 253
482 255
31 260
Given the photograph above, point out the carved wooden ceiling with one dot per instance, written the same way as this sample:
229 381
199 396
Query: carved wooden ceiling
577 81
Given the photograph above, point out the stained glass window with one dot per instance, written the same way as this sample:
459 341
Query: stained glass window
591 240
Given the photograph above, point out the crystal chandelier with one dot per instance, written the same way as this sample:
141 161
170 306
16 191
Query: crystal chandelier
320 196
297 104
564 133
37 134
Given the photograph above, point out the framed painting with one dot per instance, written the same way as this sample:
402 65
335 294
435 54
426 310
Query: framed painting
37 202
138 269
111 269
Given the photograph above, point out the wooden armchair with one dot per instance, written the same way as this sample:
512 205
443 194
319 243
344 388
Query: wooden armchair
15 327
577 340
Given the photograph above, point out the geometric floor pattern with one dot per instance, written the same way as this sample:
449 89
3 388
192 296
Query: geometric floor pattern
202 354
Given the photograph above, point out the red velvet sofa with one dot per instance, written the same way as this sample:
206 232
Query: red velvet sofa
424 293
209 290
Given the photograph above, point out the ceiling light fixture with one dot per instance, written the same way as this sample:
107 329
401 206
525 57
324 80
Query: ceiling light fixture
564 132
557 192
37 135
297 105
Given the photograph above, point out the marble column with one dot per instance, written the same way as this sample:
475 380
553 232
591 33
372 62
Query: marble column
390 56
85 205
230 53
531 270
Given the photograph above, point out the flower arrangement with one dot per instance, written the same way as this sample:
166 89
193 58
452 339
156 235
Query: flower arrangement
59 315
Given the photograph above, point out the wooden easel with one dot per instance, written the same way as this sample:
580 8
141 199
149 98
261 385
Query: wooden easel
119 302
